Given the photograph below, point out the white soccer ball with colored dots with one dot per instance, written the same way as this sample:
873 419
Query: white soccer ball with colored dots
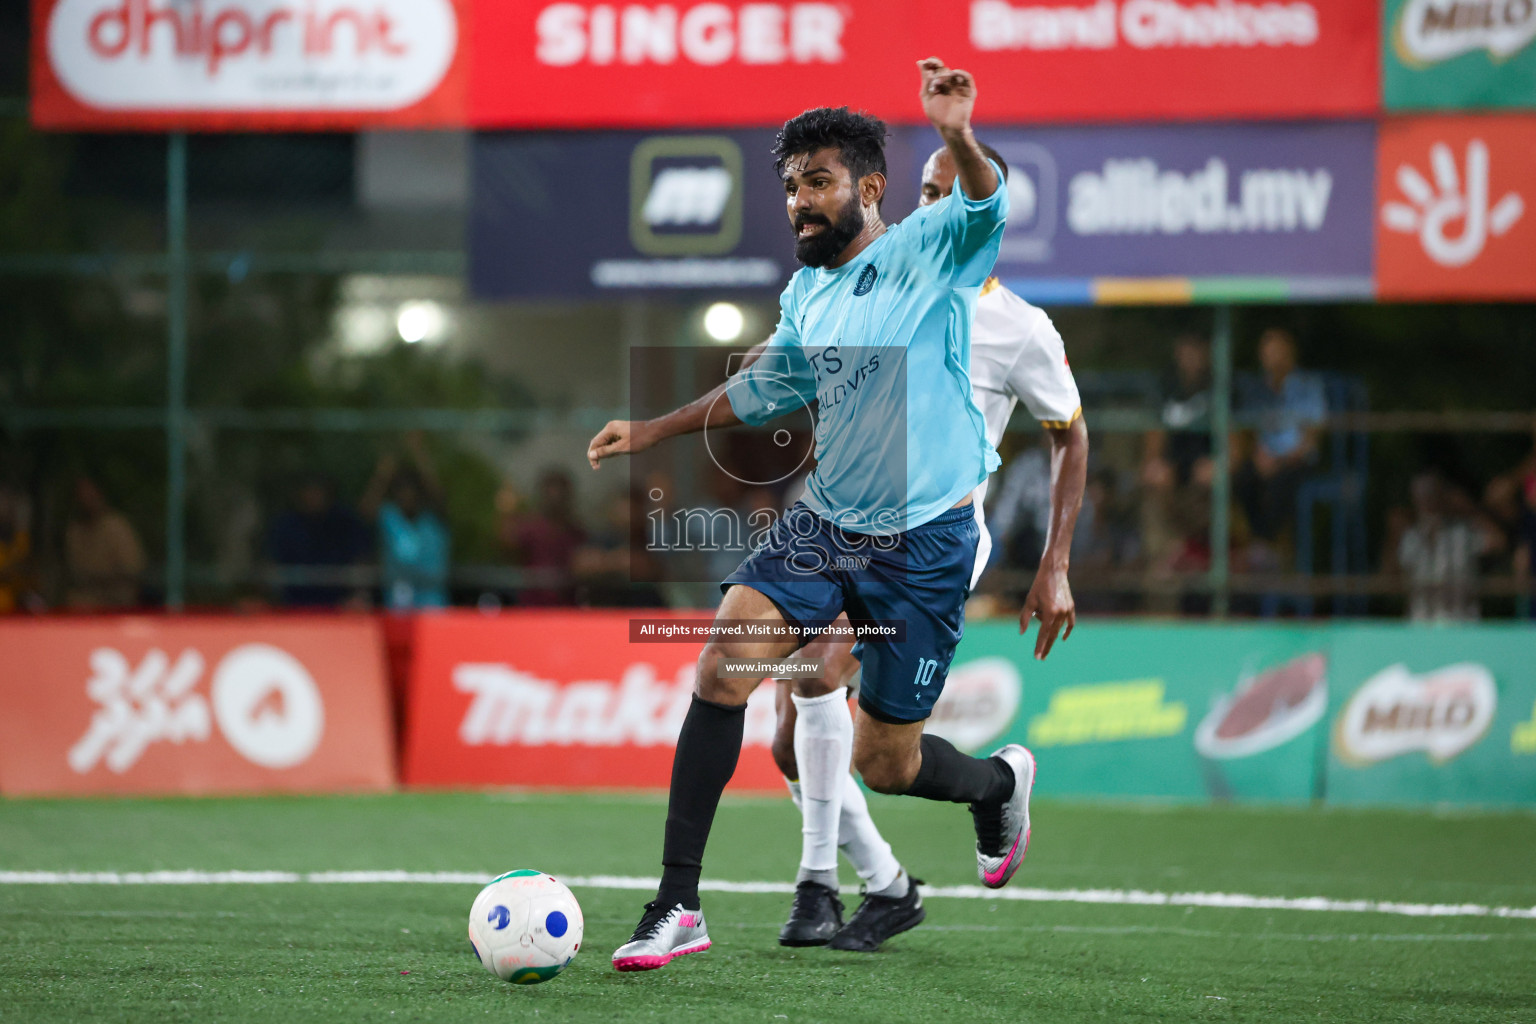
525 927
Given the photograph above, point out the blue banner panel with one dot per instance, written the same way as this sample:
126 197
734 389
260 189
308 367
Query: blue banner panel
594 214
1183 200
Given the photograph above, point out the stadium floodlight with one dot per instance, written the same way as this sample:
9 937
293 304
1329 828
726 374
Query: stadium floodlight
724 321
421 321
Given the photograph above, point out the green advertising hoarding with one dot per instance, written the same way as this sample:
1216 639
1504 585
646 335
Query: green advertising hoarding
1187 712
1458 54
1433 715
1351 714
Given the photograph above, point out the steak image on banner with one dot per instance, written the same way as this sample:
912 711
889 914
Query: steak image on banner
1269 709
139 705
979 702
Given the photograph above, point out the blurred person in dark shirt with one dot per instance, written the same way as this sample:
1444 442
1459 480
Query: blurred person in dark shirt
545 542
613 569
103 558
317 532
1176 467
1525 545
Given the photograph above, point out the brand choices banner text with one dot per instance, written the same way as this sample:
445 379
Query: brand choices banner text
149 705
237 64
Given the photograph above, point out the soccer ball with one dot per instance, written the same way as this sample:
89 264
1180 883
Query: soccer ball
525 927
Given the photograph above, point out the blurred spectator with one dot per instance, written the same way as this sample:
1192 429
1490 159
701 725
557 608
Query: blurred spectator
1504 507
15 550
413 540
1439 553
1176 466
614 569
546 541
1288 405
1185 437
103 558
1510 501
317 533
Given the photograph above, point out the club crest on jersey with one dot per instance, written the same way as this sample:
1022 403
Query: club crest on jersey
866 280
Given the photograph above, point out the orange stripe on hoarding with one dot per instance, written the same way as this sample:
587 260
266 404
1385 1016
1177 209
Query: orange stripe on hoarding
1139 290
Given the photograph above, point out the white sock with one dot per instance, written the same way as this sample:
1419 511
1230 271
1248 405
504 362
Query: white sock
863 845
823 750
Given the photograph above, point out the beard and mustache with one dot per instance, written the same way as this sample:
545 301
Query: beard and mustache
823 247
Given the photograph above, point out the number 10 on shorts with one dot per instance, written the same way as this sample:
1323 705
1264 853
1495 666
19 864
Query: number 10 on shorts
926 667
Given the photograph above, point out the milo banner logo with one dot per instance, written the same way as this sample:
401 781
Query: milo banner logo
1459 54
1374 714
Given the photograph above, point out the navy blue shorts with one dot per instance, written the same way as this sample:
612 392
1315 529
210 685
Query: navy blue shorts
812 571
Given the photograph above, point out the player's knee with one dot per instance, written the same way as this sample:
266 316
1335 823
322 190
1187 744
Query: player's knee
712 685
884 772
814 686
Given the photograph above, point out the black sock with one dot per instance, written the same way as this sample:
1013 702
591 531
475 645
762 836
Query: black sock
947 774
707 750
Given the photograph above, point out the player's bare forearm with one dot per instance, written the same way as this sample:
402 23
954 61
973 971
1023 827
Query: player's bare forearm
949 98
627 437
977 178
710 410
1050 597
1069 477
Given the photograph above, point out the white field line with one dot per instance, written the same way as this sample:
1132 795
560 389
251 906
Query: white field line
1121 897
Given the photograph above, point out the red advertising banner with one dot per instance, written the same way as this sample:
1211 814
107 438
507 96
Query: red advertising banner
1456 208
238 65
163 705
558 699
244 64
602 64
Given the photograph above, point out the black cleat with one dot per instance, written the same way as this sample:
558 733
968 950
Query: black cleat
816 916
880 917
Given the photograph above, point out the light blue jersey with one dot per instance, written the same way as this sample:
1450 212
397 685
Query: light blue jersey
882 345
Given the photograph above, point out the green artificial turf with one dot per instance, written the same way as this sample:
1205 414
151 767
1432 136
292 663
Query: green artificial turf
397 952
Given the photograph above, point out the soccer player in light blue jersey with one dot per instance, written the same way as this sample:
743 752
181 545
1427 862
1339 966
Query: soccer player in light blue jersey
875 330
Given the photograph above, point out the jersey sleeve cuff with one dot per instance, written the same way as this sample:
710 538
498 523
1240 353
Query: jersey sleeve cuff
1077 414
995 198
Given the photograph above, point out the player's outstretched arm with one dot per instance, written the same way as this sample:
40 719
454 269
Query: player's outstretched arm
627 437
1050 597
949 98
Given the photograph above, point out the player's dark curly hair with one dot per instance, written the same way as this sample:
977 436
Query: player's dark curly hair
858 138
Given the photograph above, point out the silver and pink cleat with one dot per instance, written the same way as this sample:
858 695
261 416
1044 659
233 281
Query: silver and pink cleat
663 935
1002 833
